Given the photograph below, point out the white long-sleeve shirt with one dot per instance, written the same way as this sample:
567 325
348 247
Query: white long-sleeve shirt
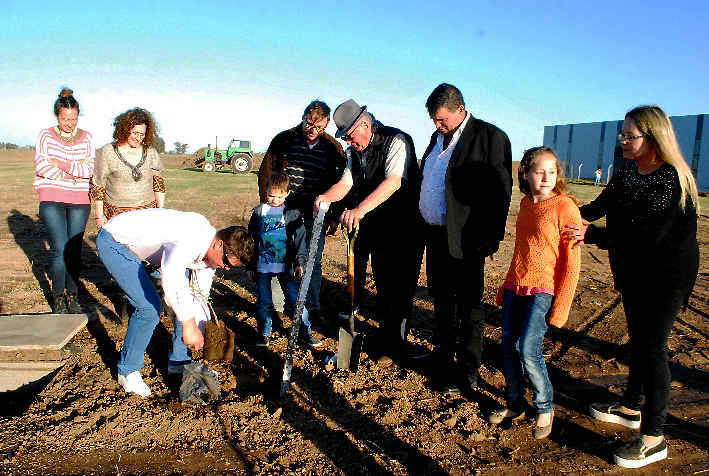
432 203
177 241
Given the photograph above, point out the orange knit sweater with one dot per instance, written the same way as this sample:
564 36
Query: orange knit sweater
541 258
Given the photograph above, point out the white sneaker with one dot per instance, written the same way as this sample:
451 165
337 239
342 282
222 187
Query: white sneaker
133 383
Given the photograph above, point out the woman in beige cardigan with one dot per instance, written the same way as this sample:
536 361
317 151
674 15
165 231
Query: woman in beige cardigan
128 172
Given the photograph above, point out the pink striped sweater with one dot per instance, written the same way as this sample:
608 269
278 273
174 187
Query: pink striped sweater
69 181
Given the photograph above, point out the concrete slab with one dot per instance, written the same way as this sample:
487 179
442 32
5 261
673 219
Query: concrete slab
39 331
14 375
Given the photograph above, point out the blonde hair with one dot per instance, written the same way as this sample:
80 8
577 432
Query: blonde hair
652 121
529 159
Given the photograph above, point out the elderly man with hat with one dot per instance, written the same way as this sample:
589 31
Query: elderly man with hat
380 191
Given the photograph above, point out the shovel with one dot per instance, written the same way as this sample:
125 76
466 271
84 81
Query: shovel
350 343
300 306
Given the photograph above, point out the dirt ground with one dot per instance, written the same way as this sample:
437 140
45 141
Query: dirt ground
334 422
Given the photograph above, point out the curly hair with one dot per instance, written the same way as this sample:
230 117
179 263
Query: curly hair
529 158
126 121
66 100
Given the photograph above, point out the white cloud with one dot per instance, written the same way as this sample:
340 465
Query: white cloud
192 117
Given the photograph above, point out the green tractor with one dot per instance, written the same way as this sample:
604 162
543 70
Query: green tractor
238 157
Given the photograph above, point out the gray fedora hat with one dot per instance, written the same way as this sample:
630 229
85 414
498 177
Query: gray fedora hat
346 115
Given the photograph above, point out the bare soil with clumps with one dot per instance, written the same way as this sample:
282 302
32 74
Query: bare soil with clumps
333 422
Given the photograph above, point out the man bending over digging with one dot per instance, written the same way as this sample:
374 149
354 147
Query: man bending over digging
189 250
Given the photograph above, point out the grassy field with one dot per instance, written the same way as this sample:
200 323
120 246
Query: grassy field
213 195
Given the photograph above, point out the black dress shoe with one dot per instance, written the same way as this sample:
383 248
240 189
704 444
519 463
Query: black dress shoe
346 313
454 389
421 357
429 359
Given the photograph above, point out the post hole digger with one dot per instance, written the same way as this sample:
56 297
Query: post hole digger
300 306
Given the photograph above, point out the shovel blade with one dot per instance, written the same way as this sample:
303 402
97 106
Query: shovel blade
348 350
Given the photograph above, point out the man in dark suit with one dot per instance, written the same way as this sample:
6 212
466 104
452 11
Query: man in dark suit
465 197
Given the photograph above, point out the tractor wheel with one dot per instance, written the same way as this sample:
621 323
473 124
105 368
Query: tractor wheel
208 167
241 164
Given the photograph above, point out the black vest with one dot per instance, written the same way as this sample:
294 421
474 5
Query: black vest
404 202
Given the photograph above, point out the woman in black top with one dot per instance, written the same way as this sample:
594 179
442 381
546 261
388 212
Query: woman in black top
651 208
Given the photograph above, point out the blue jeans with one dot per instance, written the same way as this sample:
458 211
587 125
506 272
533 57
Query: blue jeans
523 328
312 298
264 301
65 224
129 272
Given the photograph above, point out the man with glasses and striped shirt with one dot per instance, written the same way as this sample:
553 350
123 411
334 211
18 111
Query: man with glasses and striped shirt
314 161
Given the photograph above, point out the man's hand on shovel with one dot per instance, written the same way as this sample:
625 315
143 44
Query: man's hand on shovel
350 218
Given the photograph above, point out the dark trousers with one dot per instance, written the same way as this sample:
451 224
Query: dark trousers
456 286
650 315
396 252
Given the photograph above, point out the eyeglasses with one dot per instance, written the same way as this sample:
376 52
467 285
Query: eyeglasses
624 137
137 135
348 137
310 125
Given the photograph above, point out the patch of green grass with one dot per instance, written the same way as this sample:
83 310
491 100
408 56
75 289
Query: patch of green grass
223 197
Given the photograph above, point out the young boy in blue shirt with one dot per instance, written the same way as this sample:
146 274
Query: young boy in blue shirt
280 250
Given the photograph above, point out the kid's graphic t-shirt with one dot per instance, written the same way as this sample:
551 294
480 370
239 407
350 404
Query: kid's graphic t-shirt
272 246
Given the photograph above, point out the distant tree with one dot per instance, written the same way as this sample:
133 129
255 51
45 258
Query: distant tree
178 147
184 149
159 144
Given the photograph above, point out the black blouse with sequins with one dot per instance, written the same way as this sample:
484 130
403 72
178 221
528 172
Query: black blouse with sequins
650 239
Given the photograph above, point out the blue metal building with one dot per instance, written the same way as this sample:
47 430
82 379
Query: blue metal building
583 148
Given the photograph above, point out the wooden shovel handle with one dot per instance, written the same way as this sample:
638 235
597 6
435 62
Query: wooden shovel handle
350 275
350 262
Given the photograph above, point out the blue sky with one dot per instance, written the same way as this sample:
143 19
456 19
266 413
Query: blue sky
247 70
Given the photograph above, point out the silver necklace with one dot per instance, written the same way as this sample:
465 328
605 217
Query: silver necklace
66 137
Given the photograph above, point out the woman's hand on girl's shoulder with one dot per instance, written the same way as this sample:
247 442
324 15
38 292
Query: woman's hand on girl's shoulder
576 233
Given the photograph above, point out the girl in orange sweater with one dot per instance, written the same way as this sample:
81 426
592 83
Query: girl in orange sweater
539 286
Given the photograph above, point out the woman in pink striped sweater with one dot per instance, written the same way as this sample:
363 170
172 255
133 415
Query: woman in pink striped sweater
64 161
